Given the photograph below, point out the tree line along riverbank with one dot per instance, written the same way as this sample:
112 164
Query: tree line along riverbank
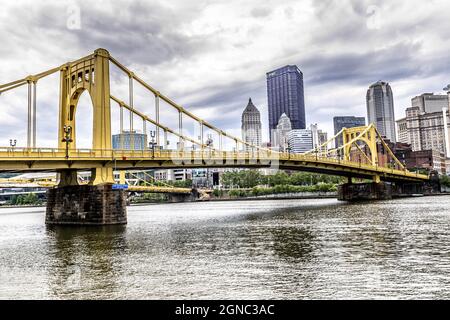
246 184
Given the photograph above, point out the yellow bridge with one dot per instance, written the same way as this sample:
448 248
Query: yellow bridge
134 185
363 153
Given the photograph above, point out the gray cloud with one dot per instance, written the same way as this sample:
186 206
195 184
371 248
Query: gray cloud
365 67
260 12
212 55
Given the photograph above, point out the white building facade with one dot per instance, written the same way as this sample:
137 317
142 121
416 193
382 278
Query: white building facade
300 141
279 135
425 131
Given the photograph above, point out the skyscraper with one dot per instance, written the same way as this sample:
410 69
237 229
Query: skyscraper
347 122
430 102
380 109
251 125
279 135
285 94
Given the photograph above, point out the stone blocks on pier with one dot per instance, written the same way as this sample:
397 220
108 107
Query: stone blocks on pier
365 191
86 205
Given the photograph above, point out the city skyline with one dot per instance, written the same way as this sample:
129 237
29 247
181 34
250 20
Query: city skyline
224 159
191 67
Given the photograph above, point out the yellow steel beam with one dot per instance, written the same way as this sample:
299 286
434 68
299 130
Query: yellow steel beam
36 160
389 150
178 107
13 87
325 145
362 152
154 189
143 116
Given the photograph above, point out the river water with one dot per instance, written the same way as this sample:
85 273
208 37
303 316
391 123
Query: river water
281 249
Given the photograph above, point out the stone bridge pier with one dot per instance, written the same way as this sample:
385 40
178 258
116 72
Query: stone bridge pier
364 191
379 190
183 197
72 204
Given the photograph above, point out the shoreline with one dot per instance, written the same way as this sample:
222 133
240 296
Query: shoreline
242 199
315 197
305 197
23 206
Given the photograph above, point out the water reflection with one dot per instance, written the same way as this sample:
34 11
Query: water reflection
293 243
235 250
83 257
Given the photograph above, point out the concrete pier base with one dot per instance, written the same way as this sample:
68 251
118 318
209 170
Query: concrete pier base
181 197
364 191
86 205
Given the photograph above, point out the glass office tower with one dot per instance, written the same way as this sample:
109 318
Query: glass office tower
286 95
380 109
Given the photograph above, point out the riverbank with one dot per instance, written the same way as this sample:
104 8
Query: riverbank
23 206
282 196
326 195
312 196
262 198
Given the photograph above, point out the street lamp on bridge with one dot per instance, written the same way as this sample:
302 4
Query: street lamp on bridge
12 143
152 143
67 138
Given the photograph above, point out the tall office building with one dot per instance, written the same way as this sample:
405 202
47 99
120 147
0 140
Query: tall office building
286 95
347 122
251 125
300 141
430 102
380 109
319 136
279 135
425 130
129 141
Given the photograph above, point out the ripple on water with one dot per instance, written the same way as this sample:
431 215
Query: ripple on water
295 249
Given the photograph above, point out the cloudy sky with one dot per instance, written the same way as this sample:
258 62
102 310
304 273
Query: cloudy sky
212 55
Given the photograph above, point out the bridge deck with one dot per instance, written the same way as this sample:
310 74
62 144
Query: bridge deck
23 159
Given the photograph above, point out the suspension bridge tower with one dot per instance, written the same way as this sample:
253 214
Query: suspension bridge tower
96 203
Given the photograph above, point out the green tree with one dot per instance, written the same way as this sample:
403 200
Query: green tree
445 181
280 178
253 178
28 199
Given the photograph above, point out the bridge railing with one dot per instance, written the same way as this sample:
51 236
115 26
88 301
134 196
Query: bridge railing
194 157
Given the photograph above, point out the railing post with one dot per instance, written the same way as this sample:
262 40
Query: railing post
180 126
131 111
34 114
157 117
165 139
29 116
121 118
